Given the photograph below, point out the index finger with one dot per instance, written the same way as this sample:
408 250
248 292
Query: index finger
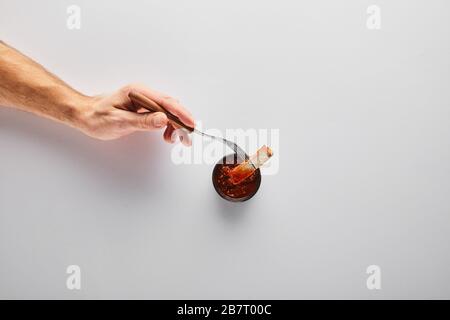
169 103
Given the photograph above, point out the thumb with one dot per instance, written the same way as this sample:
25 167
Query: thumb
148 121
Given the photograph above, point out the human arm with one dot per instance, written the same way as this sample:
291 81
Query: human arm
26 85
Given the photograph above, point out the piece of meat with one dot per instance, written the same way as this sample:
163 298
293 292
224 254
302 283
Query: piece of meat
246 168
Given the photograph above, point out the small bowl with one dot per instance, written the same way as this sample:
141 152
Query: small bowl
234 193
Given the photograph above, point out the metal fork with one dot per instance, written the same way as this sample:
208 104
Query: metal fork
150 105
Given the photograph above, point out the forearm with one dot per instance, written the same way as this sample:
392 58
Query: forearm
26 85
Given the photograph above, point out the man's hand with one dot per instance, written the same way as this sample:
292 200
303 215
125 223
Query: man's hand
26 85
113 116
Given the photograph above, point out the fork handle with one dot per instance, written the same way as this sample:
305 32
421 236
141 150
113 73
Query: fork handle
144 102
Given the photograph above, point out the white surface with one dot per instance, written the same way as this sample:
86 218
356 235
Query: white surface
364 158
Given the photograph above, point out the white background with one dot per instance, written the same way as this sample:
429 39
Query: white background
363 154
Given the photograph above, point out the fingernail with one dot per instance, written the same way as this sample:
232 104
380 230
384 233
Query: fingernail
159 120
